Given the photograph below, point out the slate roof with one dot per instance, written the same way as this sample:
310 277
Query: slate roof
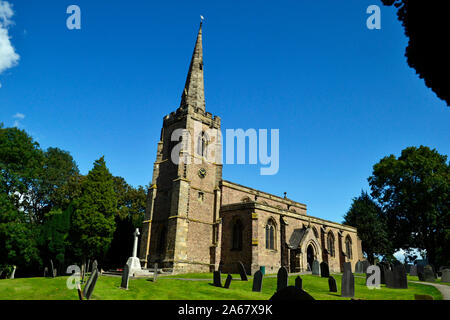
296 238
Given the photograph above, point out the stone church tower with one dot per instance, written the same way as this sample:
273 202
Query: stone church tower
183 201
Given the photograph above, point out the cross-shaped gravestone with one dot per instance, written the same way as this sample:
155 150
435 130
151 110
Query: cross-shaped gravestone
135 245
257 281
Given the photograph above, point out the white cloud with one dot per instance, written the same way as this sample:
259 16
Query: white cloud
19 115
8 56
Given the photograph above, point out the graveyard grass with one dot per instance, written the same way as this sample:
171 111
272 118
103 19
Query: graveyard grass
171 288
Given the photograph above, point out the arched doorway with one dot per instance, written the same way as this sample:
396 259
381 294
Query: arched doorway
310 255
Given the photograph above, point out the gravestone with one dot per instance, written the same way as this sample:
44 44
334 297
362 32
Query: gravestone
80 293
332 284
365 265
133 262
155 272
291 293
52 272
282 278
324 270
257 281
316 268
262 269
413 271
299 283
88 265
11 276
382 273
348 282
228 281
400 280
242 272
220 268
445 275
45 272
408 267
428 274
420 266
358 267
125 277
217 279
83 273
389 277
91 282
94 266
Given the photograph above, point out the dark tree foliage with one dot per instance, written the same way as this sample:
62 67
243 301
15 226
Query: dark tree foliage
426 26
414 192
366 215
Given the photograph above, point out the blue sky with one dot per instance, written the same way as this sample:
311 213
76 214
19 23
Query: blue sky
341 95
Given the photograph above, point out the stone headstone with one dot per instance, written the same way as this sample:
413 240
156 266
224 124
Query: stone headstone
220 268
324 270
389 277
400 280
348 282
88 284
428 274
262 269
408 267
291 293
217 281
80 293
52 272
228 281
11 276
413 271
420 267
45 272
92 283
242 272
358 267
155 272
125 277
445 277
299 283
347 267
382 273
257 281
332 284
55 273
365 265
282 278
316 268
94 266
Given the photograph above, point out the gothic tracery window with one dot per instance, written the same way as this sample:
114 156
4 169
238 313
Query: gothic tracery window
330 243
348 247
270 235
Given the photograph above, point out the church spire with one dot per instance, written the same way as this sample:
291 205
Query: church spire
194 90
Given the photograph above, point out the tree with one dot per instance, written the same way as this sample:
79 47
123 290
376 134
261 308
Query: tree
414 192
425 24
17 236
366 215
92 221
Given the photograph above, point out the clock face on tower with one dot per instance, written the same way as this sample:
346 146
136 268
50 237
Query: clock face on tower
202 172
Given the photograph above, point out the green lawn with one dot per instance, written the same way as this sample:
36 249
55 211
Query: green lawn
168 288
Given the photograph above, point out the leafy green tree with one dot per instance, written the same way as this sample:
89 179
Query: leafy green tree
93 221
17 236
366 215
414 192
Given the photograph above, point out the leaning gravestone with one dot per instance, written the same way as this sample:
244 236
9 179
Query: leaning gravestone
282 278
299 283
400 280
217 279
83 273
358 267
91 282
88 265
257 281
365 265
316 268
228 281
11 276
348 282
242 272
413 271
125 277
332 284
445 276
94 266
324 270
291 293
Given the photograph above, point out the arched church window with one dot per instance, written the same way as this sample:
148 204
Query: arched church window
348 247
270 235
202 143
237 235
330 243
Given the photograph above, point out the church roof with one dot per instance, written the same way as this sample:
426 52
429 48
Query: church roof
194 90
296 238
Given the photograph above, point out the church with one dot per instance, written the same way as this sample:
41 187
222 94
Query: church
196 221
